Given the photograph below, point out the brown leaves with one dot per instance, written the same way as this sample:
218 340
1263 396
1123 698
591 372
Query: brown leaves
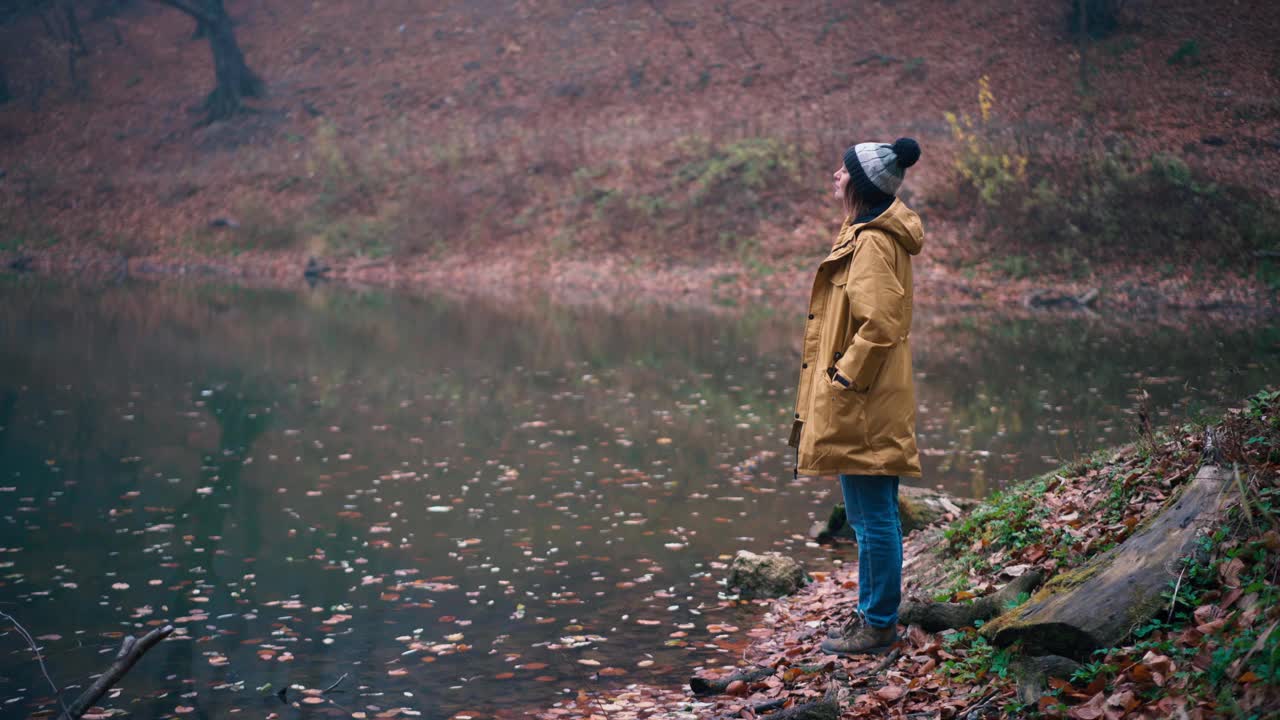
1091 710
1158 666
1230 572
890 693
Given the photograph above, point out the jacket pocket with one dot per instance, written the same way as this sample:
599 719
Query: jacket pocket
846 426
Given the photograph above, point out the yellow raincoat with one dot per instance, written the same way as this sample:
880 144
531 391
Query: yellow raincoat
860 324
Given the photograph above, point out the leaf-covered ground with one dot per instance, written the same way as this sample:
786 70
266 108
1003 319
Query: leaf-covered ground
1212 651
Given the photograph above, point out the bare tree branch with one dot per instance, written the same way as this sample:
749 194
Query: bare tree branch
130 652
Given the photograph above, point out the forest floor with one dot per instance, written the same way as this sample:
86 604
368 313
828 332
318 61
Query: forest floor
1210 651
652 150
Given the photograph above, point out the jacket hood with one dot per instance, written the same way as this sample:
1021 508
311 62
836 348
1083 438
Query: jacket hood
902 224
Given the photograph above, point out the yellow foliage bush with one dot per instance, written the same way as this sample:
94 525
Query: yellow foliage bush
984 162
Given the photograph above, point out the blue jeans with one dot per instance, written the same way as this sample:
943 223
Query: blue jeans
871 508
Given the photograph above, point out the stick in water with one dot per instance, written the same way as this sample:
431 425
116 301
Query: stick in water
130 652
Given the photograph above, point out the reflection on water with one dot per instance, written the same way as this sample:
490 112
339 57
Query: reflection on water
458 504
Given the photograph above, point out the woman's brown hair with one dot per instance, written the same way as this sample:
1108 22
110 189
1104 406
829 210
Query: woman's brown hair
855 204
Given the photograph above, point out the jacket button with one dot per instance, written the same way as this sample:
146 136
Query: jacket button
837 354
810 316
804 365
797 416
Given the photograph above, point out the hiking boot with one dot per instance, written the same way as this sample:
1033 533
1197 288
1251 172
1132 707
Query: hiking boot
849 626
865 640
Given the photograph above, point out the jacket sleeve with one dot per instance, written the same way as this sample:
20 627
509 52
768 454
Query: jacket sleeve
877 303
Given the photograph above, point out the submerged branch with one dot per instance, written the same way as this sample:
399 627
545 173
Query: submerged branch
130 652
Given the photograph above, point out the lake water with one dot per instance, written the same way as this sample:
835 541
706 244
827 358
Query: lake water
469 507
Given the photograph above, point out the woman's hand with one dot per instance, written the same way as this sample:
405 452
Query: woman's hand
838 381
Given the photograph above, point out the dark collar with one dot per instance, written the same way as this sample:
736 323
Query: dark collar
874 212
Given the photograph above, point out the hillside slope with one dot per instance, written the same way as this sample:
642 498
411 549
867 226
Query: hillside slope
496 123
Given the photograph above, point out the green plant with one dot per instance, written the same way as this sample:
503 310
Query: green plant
1269 273
355 235
1262 403
1008 520
1105 206
713 194
984 161
18 232
563 243
1086 673
1015 266
749 165
976 660
262 229
1187 54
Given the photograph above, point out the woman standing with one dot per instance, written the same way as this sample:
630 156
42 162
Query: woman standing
855 406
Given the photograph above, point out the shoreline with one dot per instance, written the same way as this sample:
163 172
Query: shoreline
1019 538
615 281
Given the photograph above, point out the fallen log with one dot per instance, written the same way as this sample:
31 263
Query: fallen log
939 616
1099 604
1049 299
714 686
917 507
131 651
768 705
828 708
755 673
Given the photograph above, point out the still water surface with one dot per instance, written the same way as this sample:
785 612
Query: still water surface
468 507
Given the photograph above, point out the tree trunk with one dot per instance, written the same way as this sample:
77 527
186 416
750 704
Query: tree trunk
1099 604
234 80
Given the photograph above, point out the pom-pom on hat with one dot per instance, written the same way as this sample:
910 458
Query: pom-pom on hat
879 167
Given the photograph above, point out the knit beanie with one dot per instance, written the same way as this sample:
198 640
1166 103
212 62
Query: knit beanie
876 170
